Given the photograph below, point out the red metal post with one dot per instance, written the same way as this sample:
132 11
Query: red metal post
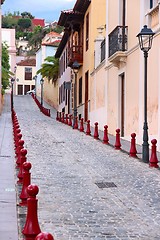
66 122
117 142
26 182
31 228
44 236
81 129
57 118
60 116
105 137
88 131
153 162
96 135
18 154
62 120
70 120
133 151
23 153
76 123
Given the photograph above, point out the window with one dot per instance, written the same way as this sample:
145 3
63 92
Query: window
153 3
28 73
103 50
80 90
87 31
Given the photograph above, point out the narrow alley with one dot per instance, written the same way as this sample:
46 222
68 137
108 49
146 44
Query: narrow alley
87 190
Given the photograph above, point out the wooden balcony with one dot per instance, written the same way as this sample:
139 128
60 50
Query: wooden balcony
75 53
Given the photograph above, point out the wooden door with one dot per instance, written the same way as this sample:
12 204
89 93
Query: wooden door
122 103
20 89
86 98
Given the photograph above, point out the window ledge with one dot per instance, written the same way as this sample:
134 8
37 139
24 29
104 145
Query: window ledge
152 10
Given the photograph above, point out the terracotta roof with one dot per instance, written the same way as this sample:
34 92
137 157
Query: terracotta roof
27 62
38 22
54 34
53 43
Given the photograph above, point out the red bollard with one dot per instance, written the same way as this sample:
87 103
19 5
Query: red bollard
62 119
96 135
81 129
88 131
66 122
44 236
117 142
18 153
70 120
133 151
153 162
57 118
105 137
76 123
23 153
19 136
26 182
31 228
60 116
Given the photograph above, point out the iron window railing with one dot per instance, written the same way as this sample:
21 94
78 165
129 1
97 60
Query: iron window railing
103 49
118 40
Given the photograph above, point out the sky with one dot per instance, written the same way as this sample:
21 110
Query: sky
46 9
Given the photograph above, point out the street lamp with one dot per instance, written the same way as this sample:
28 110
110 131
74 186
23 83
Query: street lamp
75 68
35 78
41 82
12 82
145 42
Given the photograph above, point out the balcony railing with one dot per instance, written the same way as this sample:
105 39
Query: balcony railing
103 49
118 40
75 53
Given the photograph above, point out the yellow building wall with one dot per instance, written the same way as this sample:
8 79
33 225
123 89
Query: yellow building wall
132 93
133 21
112 100
97 18
154 85
51 93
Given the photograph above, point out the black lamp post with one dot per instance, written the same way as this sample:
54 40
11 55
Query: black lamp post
41 82
75 68
145 41
12 82
35 78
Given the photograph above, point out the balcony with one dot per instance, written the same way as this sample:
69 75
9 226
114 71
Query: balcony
75 53
118 44
154 17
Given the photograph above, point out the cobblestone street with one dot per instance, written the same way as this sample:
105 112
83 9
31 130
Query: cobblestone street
67 166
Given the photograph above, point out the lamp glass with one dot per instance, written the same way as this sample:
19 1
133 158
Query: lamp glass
75 66
145 34
41 81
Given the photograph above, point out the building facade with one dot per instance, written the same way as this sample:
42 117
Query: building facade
25 71
117 91
77 44
48 48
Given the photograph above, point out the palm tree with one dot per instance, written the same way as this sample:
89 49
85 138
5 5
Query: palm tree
50 68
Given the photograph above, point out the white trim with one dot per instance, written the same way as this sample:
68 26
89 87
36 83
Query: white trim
158 104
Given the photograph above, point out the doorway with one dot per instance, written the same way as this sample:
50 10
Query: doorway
86 98
122 103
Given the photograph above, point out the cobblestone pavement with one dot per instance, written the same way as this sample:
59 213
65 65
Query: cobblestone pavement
67 164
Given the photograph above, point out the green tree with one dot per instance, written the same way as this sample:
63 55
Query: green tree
24 23
27 15
50 68
9 22
37 36
6 74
